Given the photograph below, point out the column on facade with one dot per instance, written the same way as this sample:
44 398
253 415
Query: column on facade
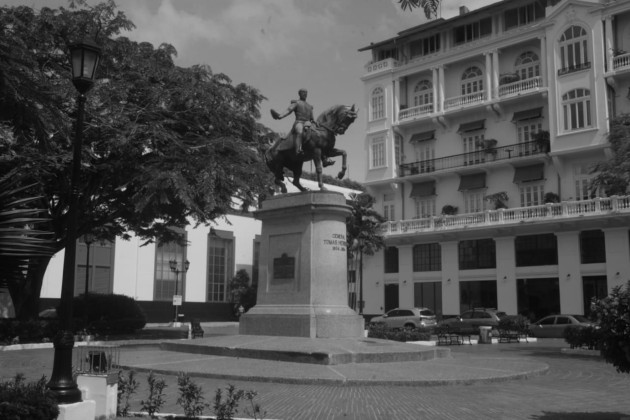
569 275
609 42
434 82
617 256
396 101
441 100
450 278
543 60
495 74
405 276
506 274
488 74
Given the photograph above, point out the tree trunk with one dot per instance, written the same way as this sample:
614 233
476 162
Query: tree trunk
25 291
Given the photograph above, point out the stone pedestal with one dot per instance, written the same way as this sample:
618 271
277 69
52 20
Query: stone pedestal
103 390
83 410
302 285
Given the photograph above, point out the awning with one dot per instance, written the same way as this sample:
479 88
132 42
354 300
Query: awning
472 182
425 136
529 173
528 114
423 189
472 126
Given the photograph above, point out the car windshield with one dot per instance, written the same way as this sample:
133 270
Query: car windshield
581 318
427 312
501 315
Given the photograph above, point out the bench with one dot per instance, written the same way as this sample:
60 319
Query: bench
507 335
453 334
195 328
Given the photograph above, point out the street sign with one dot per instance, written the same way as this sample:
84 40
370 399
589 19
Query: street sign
177 300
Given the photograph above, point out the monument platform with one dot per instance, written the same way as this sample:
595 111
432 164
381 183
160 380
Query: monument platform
297 360
322 351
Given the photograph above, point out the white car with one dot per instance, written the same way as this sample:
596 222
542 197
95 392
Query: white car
407 318
553 326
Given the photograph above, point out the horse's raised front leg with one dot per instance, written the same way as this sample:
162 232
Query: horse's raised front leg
317 158
344 157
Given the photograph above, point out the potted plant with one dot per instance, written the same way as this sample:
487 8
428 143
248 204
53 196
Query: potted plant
449 210
506 78
488 146
551 197
498 200
542 140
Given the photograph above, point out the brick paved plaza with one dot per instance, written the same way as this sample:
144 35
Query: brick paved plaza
573 388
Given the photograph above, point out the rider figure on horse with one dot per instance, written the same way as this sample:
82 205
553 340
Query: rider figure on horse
303 121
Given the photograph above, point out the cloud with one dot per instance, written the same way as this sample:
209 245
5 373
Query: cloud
262 30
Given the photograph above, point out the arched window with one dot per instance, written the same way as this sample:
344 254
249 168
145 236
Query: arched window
378 103
574 50
527 65
472 81
576 109
423 93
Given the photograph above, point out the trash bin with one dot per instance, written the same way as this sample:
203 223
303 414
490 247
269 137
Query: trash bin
485 335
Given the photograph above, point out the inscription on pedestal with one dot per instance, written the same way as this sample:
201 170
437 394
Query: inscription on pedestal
283 269
337 242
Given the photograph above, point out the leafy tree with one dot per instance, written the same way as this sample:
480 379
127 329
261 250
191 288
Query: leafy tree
613 175
164 146
363 231
430 7
613 314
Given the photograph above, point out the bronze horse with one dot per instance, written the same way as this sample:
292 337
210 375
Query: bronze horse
318 143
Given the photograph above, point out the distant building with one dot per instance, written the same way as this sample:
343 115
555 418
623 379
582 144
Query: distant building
215 254
455 112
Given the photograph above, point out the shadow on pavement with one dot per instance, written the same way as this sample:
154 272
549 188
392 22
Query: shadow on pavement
581 416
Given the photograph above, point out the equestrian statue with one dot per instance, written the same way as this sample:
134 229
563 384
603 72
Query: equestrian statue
309 140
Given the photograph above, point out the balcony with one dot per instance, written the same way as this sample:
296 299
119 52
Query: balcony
462 101
550 212
388 64
415 112
520 87
513 151
574 68
621 62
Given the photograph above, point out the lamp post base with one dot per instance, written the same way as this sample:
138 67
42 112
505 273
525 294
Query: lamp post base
61 382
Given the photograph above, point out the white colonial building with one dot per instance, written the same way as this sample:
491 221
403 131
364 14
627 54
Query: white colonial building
453 108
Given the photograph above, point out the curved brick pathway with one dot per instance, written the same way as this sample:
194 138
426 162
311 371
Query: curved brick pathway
573 388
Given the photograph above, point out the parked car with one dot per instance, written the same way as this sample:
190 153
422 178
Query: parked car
477 317
553 326
407 318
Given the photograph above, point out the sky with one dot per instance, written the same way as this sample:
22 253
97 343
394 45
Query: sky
278 47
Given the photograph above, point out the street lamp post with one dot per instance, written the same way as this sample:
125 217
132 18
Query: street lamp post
85 57
87 239
174 268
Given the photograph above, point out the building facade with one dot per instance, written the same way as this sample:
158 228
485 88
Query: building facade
482 133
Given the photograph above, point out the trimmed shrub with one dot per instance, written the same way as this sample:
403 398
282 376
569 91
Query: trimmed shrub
108 314
33 401
582 337
517 323
28 331
613 314
380 330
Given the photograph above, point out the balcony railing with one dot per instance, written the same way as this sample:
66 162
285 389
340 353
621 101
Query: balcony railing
383 65
621 62
544 212
574 68
415 112
521 86
513 151
464 100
